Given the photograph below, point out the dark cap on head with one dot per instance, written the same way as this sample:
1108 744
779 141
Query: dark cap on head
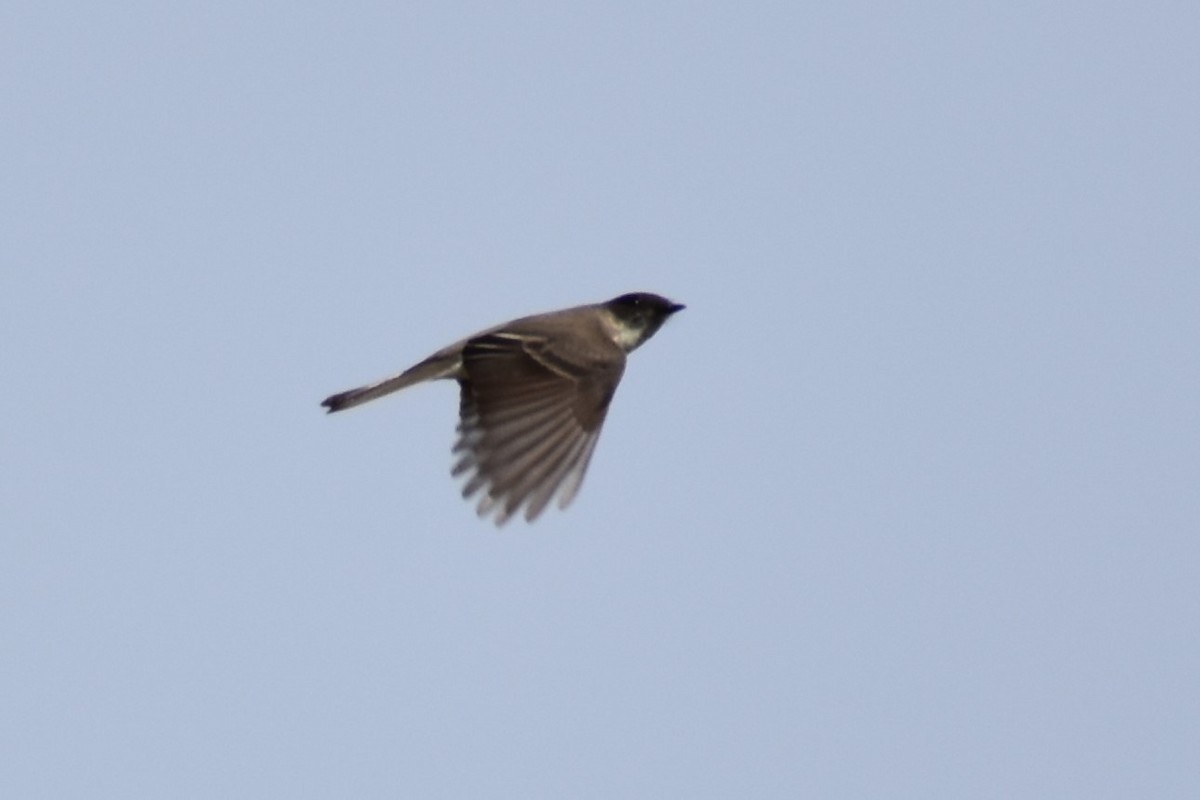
643 304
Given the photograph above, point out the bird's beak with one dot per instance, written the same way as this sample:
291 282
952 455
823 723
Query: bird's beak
677 307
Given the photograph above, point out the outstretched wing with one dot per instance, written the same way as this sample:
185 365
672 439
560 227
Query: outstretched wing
529 419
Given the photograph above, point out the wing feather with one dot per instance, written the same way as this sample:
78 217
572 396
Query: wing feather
529 419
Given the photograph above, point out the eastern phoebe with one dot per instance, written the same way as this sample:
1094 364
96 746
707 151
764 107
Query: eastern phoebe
533 395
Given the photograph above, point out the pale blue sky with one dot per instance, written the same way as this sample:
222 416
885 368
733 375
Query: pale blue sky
906 503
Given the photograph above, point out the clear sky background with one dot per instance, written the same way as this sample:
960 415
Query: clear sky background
906 503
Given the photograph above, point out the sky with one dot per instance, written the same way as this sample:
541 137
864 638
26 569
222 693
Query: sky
905 504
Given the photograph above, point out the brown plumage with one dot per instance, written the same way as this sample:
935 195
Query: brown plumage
533 396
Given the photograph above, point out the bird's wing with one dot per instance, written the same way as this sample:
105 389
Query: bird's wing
529 418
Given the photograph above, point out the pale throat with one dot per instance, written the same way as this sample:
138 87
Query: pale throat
624 336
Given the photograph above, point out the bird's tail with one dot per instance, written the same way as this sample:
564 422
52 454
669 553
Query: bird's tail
436 366
362 394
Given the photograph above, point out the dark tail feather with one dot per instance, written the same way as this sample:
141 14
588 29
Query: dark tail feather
349 399
436 366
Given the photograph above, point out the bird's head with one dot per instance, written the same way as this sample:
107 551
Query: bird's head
638 316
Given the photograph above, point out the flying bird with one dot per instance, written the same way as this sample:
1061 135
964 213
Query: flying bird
533 394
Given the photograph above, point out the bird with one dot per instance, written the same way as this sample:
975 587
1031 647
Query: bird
533 395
